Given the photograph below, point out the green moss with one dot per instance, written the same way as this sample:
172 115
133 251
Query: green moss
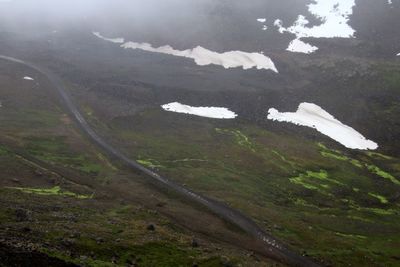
3 151
383 174
150 163
379 211
335 154
56 150
240 138
284 159
55 191
351 235
378 155
308 180
382 199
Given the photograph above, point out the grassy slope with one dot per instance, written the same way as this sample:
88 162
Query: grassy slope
59 194
339 206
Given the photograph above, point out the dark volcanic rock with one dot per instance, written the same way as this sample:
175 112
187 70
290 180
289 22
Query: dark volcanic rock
151 227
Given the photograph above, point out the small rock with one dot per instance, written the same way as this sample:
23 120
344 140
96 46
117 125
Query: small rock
151 227
15 180
83 257
26 229
195 243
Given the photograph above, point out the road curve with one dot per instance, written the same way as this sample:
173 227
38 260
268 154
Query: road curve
273 248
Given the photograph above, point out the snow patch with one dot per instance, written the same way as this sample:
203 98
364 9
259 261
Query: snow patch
334 15
265 27
28 78
209 112
203 56
301 47
313 116
398 55
262 20
113 40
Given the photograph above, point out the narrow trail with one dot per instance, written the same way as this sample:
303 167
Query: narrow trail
273 248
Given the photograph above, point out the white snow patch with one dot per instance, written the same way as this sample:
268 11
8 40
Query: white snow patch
203 56
113 40
334 15
262 20
209 112
313 116
398 55
28 78
390 2
265 27
301 47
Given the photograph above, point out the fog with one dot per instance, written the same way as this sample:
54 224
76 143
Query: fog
219 25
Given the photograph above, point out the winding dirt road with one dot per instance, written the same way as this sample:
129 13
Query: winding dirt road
273 248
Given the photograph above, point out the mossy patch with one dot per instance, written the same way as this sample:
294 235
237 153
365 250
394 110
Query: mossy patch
308 180
54 191
150 163
382 199
55 150
334 154
240 138
351 235
383 174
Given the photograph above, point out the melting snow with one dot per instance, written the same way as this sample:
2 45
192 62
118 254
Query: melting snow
113 40
28 78
262 20
203 56
301 47
313 116
334 15
209 112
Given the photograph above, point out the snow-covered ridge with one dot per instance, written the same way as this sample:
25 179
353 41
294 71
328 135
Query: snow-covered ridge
334 15
203 56
209 112
313 116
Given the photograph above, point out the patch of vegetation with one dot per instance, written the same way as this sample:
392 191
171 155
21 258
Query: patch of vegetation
240 138
55 191
55 150
383 174
150 163
378 155
3 151
308 180
334 154
382 199
351 235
